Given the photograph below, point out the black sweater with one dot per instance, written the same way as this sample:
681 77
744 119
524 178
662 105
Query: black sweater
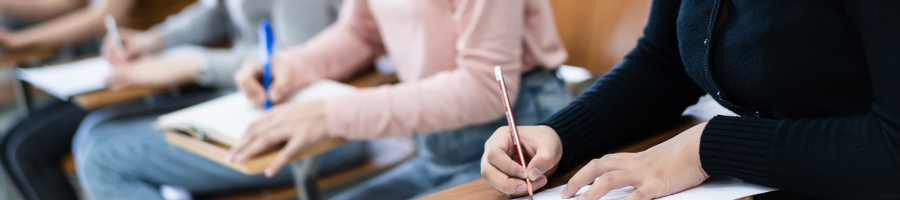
816 83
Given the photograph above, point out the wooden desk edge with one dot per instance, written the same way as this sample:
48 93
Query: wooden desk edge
216 152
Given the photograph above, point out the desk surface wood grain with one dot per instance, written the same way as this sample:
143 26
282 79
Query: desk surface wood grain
481 190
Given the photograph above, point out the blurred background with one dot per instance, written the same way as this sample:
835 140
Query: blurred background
596 33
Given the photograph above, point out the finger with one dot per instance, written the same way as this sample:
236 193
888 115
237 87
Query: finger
646 192
608 182
248 82
284 156
501 181
281 84
251 135
239 147
254 148
543 161
117 81
497 156
589 172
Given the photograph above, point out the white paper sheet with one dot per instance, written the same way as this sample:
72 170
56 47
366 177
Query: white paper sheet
721 188
63 81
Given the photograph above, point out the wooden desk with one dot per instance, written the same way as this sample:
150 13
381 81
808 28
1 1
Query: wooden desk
105 97
24 56
481 190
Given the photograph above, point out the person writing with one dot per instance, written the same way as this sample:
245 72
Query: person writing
444 52
814 82
118 152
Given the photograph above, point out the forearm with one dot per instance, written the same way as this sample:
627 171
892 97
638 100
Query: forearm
835 157
444 101
73 27
38 10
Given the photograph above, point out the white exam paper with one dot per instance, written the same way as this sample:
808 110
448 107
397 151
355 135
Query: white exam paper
69 79
713 189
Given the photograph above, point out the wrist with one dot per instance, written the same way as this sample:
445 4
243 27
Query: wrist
188 68
153 41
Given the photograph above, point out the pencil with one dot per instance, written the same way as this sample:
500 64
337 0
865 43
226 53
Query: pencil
498 73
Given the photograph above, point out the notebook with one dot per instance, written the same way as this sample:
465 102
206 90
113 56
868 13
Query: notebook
712 189
225 119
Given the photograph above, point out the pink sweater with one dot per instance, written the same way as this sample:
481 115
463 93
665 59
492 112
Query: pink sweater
444 52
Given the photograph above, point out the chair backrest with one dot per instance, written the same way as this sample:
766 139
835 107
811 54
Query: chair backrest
598 33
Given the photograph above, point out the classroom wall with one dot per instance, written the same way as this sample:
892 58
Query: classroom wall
598 33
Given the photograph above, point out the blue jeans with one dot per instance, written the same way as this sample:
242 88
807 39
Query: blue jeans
450 158
119 155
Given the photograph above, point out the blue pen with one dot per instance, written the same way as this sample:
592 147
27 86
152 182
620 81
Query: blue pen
266 43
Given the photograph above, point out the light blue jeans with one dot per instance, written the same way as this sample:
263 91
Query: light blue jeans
119 155
450 158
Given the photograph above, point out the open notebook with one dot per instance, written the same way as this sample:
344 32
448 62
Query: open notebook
718 188
225 119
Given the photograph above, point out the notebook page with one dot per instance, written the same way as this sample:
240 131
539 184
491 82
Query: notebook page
720 188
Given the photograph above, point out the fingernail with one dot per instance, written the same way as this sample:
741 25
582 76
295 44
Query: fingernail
564 194
534 174
521 188
542 182
521 175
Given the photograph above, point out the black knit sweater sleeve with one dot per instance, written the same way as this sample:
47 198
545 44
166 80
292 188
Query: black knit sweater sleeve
843 157
648 89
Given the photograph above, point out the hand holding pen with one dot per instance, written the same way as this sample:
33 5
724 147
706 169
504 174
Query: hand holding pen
269 79
506 152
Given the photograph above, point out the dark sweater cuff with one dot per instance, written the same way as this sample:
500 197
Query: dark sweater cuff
737 147
571 124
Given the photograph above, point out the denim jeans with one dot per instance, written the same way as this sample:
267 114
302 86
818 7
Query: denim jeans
119 155
449 158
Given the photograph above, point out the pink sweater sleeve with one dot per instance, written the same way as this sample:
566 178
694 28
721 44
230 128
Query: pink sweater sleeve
336 52
490 34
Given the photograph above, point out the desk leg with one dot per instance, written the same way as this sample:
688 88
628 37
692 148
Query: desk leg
305 179
23 97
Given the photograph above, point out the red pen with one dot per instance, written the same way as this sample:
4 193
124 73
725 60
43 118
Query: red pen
512 125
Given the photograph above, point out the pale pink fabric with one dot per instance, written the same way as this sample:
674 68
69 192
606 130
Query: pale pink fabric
444 52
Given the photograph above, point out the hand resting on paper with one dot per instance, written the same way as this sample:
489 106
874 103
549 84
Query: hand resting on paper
670 167
285 80
295 125
154 71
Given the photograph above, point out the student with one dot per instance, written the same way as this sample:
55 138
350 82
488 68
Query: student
814 81
444 52
119 155
58 23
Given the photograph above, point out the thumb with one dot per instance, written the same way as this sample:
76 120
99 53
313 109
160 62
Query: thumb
541 163
283 81
279 89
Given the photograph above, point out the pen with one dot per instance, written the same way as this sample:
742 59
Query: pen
498 73
266 43
113 32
